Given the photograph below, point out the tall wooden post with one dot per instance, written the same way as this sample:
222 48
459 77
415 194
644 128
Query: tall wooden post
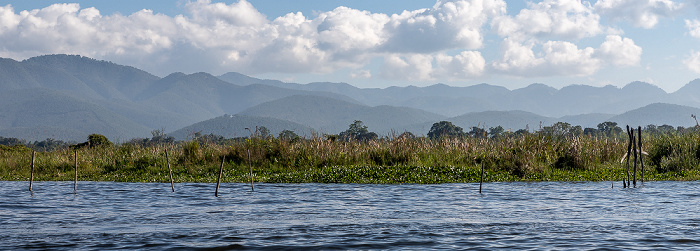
221 171
75 163
634 149
252 186
625 183
167 160
31 174
641 156
481 181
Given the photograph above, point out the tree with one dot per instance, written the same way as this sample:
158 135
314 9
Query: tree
96 140
609 128
477 132
264 133
496 132
358 131
445 129
288 135
576 130
159 137
521 132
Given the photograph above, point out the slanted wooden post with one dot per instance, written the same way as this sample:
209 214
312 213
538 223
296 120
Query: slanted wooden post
75 163
167 160
31 173
641 156
634 149
218 181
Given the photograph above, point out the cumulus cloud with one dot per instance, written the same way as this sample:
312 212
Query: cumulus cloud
693 27
557 58
361 74
620 51
564 19
562 58
453 24
641 13
692 61
423 67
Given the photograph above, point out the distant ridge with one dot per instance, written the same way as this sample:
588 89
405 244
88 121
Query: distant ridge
67 97
329 115
233 126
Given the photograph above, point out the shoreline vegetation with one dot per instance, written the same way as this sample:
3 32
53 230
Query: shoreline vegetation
556 153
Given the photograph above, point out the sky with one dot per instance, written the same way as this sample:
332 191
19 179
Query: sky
374 44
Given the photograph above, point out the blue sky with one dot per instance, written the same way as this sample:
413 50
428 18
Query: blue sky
374 43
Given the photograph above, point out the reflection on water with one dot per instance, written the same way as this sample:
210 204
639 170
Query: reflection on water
543 215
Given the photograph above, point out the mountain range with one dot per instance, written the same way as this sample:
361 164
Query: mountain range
68 97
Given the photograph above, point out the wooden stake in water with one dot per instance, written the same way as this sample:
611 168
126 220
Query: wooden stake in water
167 160
641 156
481 182
75 163
221 171
625 183
31 174
634 148
252 187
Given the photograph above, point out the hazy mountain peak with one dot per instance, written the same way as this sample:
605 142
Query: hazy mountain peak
175 75
639 85
690 87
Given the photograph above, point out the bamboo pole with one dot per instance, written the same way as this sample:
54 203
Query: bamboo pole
167 160
625 183
31 173
641 156
75 163
252 186
218 181
481 181
634 148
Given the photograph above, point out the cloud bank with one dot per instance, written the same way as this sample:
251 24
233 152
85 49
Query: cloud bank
443 42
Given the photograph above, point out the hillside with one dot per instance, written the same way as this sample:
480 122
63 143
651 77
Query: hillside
333 116
38 114
233 126
536 98
658 114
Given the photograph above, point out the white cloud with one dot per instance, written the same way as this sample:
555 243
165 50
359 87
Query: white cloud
562 58
692 61
424 67
348 32
693 27
557 58
410 67
641 13
448 25
567 19
465 65
620 51
363 74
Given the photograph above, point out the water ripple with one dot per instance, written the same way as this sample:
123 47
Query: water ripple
526 216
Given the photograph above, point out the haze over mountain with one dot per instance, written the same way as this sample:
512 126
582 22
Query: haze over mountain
69 97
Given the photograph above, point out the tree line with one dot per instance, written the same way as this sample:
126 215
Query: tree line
356 131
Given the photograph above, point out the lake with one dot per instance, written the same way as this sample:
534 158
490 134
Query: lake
538 215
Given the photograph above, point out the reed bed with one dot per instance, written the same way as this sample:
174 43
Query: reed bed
530 157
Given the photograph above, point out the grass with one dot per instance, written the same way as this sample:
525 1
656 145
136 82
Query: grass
532 157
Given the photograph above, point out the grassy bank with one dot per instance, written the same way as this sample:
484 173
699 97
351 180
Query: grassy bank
531 157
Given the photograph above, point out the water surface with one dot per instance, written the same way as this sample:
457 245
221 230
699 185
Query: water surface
529 216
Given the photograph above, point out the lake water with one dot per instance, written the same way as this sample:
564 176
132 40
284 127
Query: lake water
541 215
